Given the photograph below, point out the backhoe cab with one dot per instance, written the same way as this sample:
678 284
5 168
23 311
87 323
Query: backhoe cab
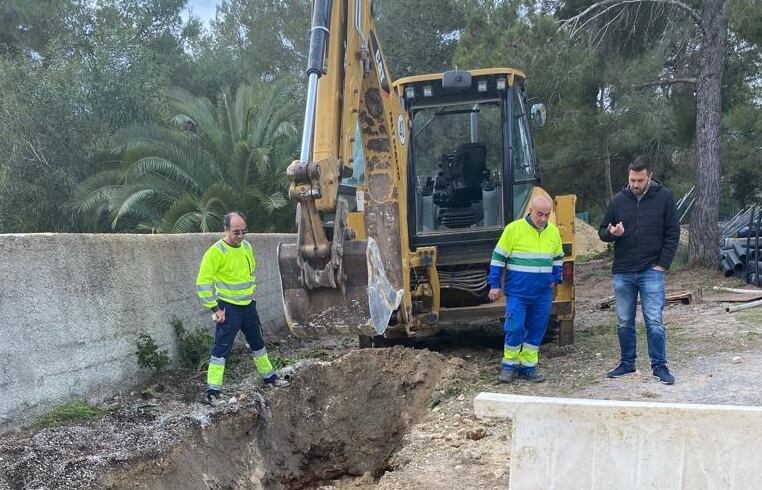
404 189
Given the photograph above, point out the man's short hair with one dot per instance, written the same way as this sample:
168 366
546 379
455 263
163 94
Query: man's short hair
226 219
639 164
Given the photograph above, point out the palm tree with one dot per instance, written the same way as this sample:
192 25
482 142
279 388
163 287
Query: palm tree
211 157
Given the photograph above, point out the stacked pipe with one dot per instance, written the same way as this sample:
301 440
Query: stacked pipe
740 253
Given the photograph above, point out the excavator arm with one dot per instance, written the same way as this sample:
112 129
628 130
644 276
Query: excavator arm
333 282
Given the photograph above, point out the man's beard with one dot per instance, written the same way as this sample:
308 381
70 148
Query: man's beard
640 191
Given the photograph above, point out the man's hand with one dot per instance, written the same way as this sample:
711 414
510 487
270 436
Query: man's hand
494 294
616 230
659 268
219 316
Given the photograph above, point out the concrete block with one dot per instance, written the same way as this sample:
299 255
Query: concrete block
566 443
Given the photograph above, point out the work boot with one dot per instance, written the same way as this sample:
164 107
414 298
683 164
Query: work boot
621 370
662 374
506 375
214 398
275 381
532 376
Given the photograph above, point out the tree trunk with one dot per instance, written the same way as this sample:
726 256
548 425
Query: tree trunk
607 165
606 155
704 230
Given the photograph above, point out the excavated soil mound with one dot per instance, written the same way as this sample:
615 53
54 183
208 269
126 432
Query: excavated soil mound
586 239
340 418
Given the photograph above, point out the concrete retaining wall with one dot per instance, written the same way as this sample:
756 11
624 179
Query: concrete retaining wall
73 305
564 443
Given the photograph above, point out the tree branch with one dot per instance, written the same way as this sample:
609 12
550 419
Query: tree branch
572 22
667 81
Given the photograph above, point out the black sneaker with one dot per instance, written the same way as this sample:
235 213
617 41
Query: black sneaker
506 375
214 398
532 376
621 370
662 374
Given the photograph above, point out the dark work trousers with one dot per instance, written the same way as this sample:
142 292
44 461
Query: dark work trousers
237 318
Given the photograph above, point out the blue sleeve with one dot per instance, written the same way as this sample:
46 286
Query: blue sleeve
495 276
558 274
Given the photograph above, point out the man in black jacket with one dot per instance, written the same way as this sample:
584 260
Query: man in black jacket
642 222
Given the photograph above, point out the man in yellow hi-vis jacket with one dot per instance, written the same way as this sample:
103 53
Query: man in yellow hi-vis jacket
226 284
530 250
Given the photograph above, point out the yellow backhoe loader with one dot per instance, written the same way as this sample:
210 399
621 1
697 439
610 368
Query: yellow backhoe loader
403 189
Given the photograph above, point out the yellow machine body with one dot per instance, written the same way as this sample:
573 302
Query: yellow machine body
404 188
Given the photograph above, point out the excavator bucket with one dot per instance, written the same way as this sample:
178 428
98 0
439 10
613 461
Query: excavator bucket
363 307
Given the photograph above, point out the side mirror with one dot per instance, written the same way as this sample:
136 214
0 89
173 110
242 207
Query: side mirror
538 115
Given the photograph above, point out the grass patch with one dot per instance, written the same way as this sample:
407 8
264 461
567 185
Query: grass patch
440 396
72 411
316 353
753 316
279 362
608 253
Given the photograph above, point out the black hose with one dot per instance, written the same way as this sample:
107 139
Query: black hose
745 258
321 21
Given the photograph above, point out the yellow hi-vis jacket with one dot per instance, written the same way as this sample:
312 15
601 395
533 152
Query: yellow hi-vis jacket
227 273
534 259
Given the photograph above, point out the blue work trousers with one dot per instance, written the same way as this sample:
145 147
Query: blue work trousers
526 320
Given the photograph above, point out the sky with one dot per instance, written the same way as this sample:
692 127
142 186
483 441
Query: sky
203 9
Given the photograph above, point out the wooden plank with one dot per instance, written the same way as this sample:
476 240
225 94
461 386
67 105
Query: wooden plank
682 297
733 297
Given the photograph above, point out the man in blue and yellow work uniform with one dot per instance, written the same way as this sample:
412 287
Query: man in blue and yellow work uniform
226 284
530 248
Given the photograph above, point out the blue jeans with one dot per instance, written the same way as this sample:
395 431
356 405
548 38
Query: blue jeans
650 285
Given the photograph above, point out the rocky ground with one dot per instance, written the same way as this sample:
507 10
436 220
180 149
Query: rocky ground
383 418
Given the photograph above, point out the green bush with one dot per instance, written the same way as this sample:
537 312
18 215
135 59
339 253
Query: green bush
149 355
193 347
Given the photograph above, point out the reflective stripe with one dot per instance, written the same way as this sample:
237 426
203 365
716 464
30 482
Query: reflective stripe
507 362
213 387
262 362
498 263
530 262
532 255
501 251
558 257
511 354
526 268
558 263
497 256
204 287
234 287
259 353
528 355
207 300
215 372
221 246
231 297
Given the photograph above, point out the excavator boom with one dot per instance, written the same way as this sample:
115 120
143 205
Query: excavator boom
332 281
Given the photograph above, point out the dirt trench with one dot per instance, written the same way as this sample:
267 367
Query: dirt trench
343 418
